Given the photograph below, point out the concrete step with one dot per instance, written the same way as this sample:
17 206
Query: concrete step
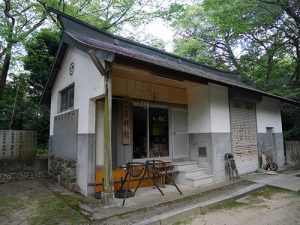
195 181
194 173
185 166
190 174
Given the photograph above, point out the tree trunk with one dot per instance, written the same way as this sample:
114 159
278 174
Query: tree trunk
269 68
296 74
231 55
5 68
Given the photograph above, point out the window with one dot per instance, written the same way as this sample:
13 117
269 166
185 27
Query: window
150 132
67 98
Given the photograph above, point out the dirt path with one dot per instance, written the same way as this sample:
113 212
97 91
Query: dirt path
271 206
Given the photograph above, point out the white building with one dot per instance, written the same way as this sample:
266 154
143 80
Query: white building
157 105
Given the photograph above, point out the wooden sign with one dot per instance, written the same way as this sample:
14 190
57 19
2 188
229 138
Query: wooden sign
126 123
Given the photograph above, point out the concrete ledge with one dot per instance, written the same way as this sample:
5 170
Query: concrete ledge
16 165
200 208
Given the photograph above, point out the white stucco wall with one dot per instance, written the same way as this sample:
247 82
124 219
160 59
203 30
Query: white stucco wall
88 83
219 108
199 109
268 115
208 109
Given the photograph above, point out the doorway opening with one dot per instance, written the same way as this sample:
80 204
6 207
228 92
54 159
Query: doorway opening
150 132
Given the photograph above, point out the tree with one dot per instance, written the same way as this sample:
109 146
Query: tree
110 14
18 19
14 106
290 18
204 41
257 38
19 107
272 18
41 49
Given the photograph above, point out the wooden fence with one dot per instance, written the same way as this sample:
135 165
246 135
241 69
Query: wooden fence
292 149
18 144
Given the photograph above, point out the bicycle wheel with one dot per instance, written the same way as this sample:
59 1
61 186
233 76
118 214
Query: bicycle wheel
273 166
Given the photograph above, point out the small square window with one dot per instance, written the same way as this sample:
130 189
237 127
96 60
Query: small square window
67 98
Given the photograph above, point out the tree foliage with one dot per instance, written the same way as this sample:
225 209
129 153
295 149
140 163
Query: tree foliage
14 106
41 50
109 14
19 107
18 19
257 38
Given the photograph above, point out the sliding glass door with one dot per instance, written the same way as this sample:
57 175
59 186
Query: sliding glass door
140 136
150 132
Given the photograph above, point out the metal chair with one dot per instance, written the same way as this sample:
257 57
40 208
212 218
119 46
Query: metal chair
133 170
157 169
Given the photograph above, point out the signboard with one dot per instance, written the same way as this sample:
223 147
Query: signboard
126 123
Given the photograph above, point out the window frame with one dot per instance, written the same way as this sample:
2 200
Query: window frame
147 107
69 105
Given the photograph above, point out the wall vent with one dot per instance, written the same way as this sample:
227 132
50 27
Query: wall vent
202 152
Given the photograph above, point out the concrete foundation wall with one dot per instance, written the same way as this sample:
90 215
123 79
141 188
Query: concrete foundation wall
64 141
278 152
221 144
16 165
85 169
201 140
84 159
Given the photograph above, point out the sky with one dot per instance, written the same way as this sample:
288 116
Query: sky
161 30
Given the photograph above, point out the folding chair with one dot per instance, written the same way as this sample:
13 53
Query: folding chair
133 170
156 169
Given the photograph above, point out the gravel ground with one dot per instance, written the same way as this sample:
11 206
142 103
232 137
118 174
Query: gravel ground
32 203
282 208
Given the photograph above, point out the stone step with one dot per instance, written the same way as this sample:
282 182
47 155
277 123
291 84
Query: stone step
185 166
197 181
195 173
190 174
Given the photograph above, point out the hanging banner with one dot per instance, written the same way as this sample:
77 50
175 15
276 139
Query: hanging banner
126 123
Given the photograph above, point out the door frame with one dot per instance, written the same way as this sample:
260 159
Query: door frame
170 144
173 132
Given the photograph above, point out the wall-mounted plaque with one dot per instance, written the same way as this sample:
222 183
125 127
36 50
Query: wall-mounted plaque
126 131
